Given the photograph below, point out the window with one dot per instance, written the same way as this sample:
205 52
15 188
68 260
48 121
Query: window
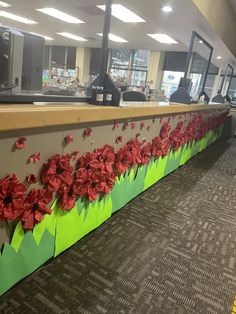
129 67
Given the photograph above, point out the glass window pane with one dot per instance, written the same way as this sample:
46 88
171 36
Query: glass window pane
140 59
120 58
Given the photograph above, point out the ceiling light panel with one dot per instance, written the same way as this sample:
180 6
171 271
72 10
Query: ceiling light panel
72 36
167 9
219 57
4 4
115 38
60 15
163 38
45 37
16 18
123 14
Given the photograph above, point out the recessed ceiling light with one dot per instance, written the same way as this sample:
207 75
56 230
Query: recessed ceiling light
219 57
115 38
167 9
200 42
71 36
4 4
60 15
16 18
45 37
163 38
123 14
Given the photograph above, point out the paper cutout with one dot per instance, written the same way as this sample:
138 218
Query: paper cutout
14 266
155 171
61 229
173 161
83 218
127 187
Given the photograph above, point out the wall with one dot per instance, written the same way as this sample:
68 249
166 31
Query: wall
83 56
221 17
155 68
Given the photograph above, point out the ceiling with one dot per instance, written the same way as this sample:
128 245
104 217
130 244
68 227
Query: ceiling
179 24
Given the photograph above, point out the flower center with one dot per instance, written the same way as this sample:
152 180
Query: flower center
7 200
35 207
59 170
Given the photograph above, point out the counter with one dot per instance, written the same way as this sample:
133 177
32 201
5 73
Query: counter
66 168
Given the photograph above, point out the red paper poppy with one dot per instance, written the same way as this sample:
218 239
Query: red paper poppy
75 155
119 139
34 158
123 160
11 198
31 179
115 125
68 198
165 130
20 143
146 154
57 172
134 147
132 125
156 147
69 139
87 132
125 126
142 124
35 208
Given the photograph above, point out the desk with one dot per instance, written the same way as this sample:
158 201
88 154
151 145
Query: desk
92 161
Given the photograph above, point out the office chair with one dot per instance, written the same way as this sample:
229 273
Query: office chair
134 96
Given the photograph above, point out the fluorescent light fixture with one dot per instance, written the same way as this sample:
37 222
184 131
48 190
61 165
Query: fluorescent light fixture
163 38
45 37
115 38
219 57
71 36
60 15
4 4
16 18
167 9
123 14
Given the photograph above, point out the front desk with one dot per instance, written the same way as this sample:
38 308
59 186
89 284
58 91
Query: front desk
65 169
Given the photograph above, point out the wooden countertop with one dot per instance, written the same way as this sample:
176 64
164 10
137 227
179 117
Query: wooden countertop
16 117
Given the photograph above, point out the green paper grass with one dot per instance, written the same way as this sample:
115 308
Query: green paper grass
155 171
15 265
127 187
83 218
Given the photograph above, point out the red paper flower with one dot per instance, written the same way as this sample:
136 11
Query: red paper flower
132 124
165 130
31 179
115 125
134 146
87 132
75 155
125 126
142 124
20 143
123 160
34 158
69 139
68 198
57 172
156 147
119 139
146 154
35 208
11 198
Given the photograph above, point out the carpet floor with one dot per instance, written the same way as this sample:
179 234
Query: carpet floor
170 250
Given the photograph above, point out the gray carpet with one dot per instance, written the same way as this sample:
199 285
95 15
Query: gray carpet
171 250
